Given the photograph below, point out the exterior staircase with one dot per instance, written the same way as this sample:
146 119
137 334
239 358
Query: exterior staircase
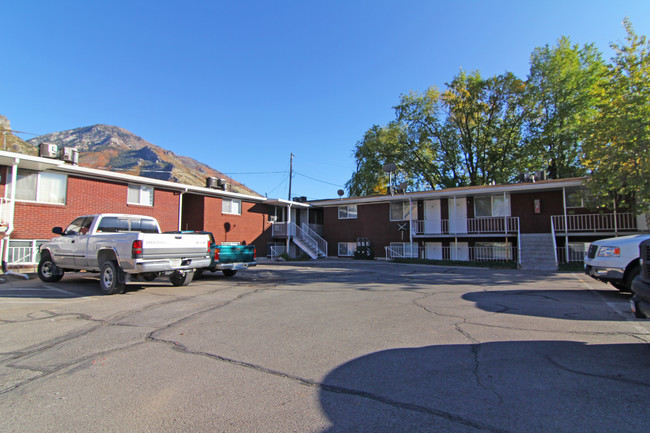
538 251
308 240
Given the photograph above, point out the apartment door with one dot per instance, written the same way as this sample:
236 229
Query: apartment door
458 215
433 250
459 251
432 220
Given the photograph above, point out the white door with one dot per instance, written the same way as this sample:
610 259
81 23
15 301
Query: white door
432 222
459 251
433 250
458 215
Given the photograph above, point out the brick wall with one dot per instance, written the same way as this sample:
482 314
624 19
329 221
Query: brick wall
251 226
372 222
88 196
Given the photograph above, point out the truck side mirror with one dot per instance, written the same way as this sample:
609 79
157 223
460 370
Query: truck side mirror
57 230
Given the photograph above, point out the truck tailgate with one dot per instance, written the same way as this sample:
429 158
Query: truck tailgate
236 253
168 245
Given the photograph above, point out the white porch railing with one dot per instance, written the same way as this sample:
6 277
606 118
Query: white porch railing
461 253
277 251
481 225
574 255
612 222
303 236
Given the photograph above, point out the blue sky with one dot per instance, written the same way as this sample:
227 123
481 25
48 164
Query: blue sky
240 85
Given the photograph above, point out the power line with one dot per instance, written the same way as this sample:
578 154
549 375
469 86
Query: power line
318 180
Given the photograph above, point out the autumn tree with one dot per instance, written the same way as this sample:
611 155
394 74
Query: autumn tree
559 92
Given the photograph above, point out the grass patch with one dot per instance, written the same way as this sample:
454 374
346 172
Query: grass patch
470 264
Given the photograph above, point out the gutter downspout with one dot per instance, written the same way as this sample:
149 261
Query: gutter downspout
180 210
566 228
288 227
12 214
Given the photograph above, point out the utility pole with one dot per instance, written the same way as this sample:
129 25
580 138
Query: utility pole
290 175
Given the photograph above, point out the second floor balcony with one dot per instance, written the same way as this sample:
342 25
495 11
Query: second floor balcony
612 223
502 225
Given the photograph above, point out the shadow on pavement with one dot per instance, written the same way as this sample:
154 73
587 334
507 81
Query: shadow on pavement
521 386
557 304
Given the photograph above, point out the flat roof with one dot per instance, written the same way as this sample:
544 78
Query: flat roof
30 162
465 191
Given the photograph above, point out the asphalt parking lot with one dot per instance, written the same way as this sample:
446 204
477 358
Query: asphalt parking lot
327 346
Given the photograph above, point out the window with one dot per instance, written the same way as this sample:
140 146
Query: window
348 212
489 206
40 187
80 226
347 249
111 224
400 211
140 194
231 206
576 197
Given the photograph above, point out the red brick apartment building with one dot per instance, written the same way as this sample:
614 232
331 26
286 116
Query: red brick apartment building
537 224
534 224
38 193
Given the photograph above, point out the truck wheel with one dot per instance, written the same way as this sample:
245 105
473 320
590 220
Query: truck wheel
48 272
109 279
229 272
636 270
181 278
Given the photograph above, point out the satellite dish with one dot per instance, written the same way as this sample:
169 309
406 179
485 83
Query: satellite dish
390 167
340 192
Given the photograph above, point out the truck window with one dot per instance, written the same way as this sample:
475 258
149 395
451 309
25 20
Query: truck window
79 226
144 225
113 224
121 224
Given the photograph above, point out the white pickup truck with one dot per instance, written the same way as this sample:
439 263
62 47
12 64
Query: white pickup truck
615 260
120 247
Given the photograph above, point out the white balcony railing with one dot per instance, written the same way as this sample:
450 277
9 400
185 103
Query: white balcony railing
499 253
612 222
481 225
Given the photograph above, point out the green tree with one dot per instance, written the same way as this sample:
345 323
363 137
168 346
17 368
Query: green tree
559 91
487 116
617 143
470 134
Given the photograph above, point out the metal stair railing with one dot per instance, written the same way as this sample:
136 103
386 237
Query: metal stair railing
304 241
321 244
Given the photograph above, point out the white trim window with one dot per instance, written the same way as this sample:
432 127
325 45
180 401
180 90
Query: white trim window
40 187
491 206
231 206
347 249
348 212
140 194
577 198
399 211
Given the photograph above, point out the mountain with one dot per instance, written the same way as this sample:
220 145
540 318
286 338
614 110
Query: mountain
11 143
116 149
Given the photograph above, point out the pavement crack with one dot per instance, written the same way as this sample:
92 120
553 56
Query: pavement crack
600 376
334 388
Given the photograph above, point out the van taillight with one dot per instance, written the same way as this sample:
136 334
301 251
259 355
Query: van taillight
216 254
254 253
136 249
209 246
